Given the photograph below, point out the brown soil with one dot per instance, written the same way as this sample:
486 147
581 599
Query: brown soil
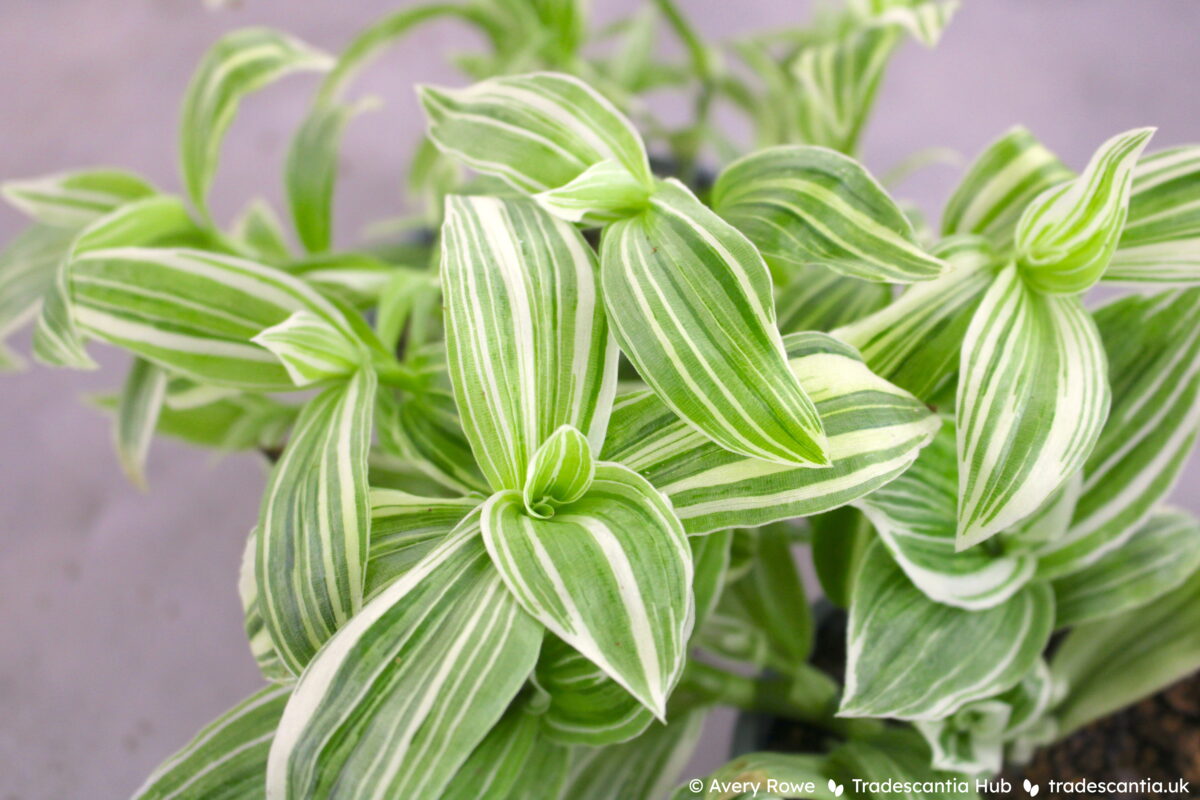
1159 738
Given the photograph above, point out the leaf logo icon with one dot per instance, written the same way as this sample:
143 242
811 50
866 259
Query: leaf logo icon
835 787
1031 788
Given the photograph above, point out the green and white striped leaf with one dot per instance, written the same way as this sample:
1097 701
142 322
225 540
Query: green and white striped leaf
915 516
610 574
527 343
604 192
496 765
1160 555
875 432
1033 397
770 776
911 658
1113 662
227 760
972 740
74 199
690 300
819 299
311 349
915 342
538 131
900 755
396 702
424 428
1161 239
311 171
1002 181
239 64
404 528
810 205
192 312
645 768
28 266
258 228
314 525
925 20
1067 234
137 416
1153 351
560 472
837 82
266 656
586 706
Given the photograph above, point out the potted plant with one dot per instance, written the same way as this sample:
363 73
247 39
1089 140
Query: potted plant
539 470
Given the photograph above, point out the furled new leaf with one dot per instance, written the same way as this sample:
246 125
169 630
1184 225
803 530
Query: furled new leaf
875 432
527 343
610 574
810 205
240 63
314 524
1033 396
911 658
228 759
311 348
690 300
137 416
1067 234
398 699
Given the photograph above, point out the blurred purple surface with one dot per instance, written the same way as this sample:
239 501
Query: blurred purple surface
120 619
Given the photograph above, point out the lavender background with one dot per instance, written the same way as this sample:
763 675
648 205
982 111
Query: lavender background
120 627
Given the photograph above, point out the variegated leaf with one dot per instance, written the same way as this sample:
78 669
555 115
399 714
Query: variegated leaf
1153 351
1005 177
837 82
266 656
604 192
819 299
1067 234
810 205
497 764
314 524
538 131
28 266
398 699
925 20
915 342
311 348
915 516
424 429
1159 556
610 574
911 658
586 706
1161 239
690 300
527 343
1113 662
193 312
137 416
227 760
240 63
560 472
74 199
259 230
875 431
404 528
1033 396
644 768
311 172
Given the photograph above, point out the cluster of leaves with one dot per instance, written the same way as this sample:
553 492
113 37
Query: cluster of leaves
540 490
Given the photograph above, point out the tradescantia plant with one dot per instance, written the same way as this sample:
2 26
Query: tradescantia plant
537 478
